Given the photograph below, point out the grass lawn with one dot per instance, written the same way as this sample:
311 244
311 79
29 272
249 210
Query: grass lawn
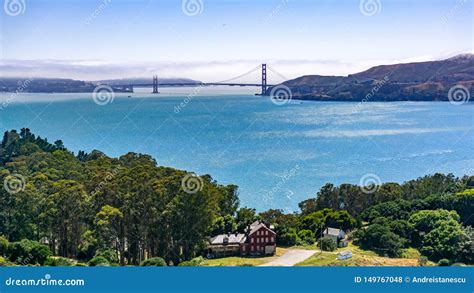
314 246
361 258
243 261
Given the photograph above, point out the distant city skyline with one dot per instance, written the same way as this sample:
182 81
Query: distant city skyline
105 39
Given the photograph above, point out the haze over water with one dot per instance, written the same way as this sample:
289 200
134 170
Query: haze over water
277 155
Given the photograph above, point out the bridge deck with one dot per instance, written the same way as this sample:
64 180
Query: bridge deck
190 84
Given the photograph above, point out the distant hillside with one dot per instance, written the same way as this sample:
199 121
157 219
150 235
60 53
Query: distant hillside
420 81
145 80
62 85
44 85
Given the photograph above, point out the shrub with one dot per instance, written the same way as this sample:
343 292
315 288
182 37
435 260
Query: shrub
444 262
402 228
5 263
341 219
427 220
98 261
28 252
380 239
59 262
109 254
50 262
3 246
153 262
327 244
306 236
444 241
193 263
88 246
412 253
422 260
288 238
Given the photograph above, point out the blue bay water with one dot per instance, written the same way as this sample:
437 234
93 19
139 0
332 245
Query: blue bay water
277 155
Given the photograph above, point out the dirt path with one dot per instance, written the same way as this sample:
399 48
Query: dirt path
290 258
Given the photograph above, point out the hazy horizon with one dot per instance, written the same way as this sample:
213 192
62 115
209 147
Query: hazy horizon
214 40
61 69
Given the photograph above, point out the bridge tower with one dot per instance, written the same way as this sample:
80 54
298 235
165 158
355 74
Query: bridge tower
155 84
264 79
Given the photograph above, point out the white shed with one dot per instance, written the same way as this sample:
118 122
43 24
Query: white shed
344 255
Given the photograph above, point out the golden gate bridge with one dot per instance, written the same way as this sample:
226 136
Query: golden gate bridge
155 84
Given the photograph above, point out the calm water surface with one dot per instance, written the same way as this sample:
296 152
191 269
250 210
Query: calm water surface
278 155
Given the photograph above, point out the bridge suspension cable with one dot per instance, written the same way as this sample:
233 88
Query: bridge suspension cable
242 75
263 83
277 73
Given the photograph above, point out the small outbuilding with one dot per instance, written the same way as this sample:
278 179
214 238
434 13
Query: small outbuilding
337 235
344 255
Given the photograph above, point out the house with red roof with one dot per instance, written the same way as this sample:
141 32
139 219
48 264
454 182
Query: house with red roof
257 239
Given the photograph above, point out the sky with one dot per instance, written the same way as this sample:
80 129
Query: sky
213 40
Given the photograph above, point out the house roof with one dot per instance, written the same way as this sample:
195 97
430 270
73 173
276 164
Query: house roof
255 226
345 252
332 231
234 238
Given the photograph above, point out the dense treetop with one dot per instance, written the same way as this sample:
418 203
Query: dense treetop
130 211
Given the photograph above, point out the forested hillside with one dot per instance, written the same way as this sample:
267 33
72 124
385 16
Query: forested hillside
60 208
78 205
434 214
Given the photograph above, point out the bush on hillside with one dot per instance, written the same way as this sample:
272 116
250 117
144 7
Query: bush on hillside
288 238
306 236
327 244
98 261
3 246
197 261
59 262
444 262
28 252
5 263
153 262
109 254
